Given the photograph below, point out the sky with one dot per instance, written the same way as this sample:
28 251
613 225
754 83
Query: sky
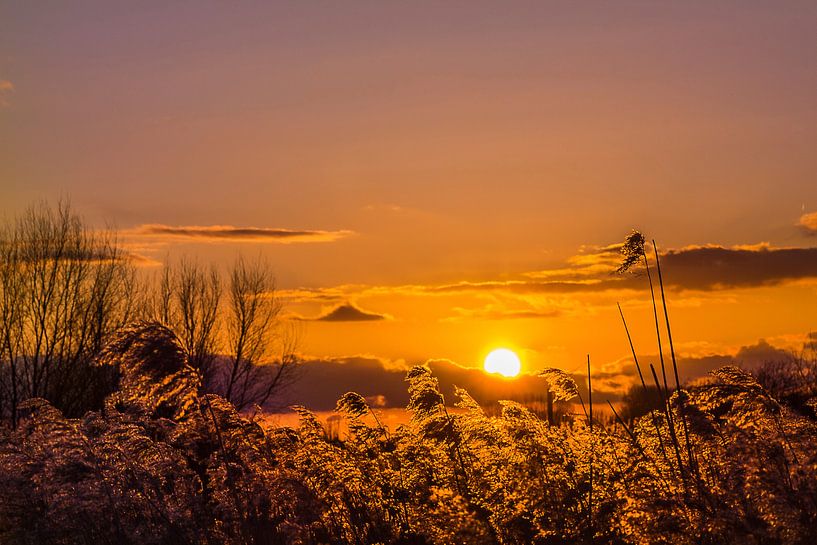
432 180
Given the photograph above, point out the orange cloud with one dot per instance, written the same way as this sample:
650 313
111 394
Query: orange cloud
229 233
701 269
496 312
808 223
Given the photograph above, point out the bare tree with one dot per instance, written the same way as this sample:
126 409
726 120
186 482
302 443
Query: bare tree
238 343
65 289
254 337
186 298
198 298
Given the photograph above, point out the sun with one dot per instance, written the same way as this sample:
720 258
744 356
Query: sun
504 362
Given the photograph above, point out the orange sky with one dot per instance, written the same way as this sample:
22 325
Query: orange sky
441 163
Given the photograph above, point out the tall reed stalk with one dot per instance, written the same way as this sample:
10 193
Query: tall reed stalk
692 461
590 479
634 250
643 384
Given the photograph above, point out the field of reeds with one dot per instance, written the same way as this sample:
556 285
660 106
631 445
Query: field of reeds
732 459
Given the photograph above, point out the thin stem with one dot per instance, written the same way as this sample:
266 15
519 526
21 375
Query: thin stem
632 348
643 384
657 329
693 462
666 315
590 479
672 436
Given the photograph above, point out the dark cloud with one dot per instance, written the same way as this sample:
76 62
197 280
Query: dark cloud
323 380
694 268
714 267
755 355
691 368
748 357
702 268
55 251
228 233
484 387
350 313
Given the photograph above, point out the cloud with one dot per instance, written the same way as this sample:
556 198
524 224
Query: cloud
323 380
697 268
350 313
93 254
714 267
694 274
6 88
229 233
140 260
623 372
530 286
700 268
808 223
495 312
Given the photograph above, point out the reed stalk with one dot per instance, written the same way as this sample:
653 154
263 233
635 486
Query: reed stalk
672 436
643 383
590 479
692 461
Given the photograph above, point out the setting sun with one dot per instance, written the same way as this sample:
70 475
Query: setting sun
503 362
252 255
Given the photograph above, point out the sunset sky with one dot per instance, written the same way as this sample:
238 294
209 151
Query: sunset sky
432 180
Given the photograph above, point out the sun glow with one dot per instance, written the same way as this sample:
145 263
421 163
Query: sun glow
504 362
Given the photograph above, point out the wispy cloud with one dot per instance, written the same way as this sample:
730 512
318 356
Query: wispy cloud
141 260
6 88
229 233
94 254
498 312
584 285
704 268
